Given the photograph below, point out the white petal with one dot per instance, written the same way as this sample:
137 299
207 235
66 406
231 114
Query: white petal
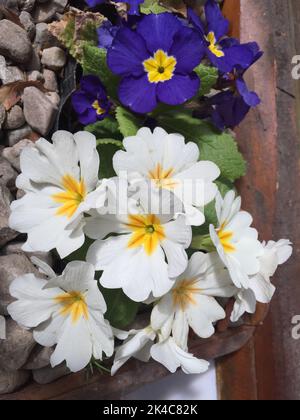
43 267
245 302
131 348
89 158
263 290
74 345
101 335
47 333
202 315
102 253
161 312
98 227
138 274
34 305
172 357
181 329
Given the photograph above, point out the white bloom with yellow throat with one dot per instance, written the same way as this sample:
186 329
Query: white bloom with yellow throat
235 240
159 345
165 161
260 287
191 302
146 252
66 311
57 178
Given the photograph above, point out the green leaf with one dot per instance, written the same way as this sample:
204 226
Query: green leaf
203 243
152 6
109 141
208 76
220 148
121 311
129 123
117 143
105 129
94 62
107 151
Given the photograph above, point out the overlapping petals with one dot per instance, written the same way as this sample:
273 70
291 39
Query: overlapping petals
235 240
66 311
142 58
90 101
166 162
224 53
58 180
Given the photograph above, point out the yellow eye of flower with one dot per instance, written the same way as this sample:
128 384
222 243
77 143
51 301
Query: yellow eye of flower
183 294
213 47
73 304
160 67
162 178
225 237
147 232
97 107
71 198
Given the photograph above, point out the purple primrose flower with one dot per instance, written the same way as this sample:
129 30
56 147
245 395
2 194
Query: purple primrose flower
90 101
224 53
231 106
156 62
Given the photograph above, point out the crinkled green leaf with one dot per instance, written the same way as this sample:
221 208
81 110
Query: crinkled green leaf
94 62
208 76
129 123
121 311
220 148
152 6
105 129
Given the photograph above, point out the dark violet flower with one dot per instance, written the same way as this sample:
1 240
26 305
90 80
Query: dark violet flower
90 101
134 5
156 62
231 106
106 34
224 53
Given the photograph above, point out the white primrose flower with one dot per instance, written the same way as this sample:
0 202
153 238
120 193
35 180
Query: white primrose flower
236 242
140 344
191 302
260 287
66 311
2 328
57 178
165 161
144 256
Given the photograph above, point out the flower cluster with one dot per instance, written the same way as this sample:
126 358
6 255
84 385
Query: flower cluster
140 207
141 226
158 57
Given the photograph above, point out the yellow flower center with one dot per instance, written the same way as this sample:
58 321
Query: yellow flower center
183 294
97 107
160 67
162 178
213 47
225 237
73 304
147 232
73 195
